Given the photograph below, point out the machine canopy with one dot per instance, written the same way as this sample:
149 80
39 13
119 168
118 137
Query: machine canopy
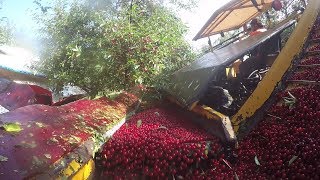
232 16
191 82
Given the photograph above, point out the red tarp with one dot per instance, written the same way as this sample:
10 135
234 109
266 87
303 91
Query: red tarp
14 95
49 133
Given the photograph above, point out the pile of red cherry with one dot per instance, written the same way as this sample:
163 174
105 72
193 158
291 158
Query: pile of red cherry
315 35
314 48
162 143
311 60
309 74
286 144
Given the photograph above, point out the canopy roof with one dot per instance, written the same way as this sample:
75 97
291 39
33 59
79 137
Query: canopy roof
231 16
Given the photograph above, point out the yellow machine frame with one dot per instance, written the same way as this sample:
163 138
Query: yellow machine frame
283 62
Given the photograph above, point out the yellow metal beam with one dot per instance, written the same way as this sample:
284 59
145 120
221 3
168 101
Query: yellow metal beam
72 168
78 171
283 62
212 114
207 112
86 172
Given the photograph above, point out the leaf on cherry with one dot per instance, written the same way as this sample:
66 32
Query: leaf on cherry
36 161
291 95
173 178
207 149
236 177
40 125
202 172
292 160
206 152
290 101
25 144
227 163
47 156
180 177
139 123
162 127
12 127
3 158
52 141
256 160
74 139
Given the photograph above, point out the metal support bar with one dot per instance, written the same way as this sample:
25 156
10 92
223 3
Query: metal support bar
304 82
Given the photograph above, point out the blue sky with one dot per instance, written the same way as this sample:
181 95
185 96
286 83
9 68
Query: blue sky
19 13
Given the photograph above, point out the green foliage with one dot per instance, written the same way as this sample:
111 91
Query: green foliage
219 42
5 32
5 29
111 48
289 7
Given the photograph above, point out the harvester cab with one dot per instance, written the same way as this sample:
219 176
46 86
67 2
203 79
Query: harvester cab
217 84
